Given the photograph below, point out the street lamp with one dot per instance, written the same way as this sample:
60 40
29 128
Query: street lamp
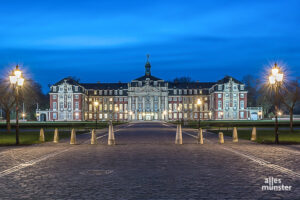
96 103
275 80
17 81
199 103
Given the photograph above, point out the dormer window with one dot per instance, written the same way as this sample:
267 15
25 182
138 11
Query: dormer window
242 87
76 88
100 92
140 83
155 83
121 92
219 87
116 92
54 88
95 92
175 91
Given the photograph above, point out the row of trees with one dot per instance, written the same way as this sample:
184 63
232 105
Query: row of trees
30 94
259 94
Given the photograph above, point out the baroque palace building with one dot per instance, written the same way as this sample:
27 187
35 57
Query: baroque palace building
147 98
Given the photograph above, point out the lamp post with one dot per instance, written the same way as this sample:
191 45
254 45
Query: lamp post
199 103
96 103
17 81
275 80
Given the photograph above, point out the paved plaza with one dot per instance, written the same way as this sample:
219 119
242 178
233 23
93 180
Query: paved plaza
146 164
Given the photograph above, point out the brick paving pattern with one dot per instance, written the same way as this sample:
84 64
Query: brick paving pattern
146 164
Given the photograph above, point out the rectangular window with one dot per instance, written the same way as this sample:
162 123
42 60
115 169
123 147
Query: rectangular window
219 96
76 88
219 87
100 116
76 96
242 104
54 96
170 106
54 88
185 106
61 105
242 115
54 116
219 105
54 106
76 105
242 95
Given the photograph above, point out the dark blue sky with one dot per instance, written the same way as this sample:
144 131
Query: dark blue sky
107 41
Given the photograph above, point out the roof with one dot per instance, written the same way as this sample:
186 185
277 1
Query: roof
104 86
142 78
226 79
68 80
191 85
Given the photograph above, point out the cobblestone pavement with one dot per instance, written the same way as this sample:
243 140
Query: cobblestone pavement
146 164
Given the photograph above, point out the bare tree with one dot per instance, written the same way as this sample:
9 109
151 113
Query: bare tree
7 100
30 93
290 95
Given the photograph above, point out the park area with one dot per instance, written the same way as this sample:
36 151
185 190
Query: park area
265 130
30 131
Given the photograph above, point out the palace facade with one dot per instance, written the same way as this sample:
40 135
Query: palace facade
147 98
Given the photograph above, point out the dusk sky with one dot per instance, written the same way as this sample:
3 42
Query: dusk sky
107 41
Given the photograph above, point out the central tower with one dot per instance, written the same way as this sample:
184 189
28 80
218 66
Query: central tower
148 67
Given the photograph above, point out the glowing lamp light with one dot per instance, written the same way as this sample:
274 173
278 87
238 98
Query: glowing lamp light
279 113
20 81
279 77
96 103
272 79
13 79
199 102
275 71
18 73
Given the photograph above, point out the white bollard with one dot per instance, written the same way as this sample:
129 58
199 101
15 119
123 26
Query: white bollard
253 135
221 138
111 135
178 139
235 135
56 137
73 137
42 135
93 137
200 136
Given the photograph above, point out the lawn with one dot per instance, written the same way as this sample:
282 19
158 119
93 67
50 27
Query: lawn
266 136
32 136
